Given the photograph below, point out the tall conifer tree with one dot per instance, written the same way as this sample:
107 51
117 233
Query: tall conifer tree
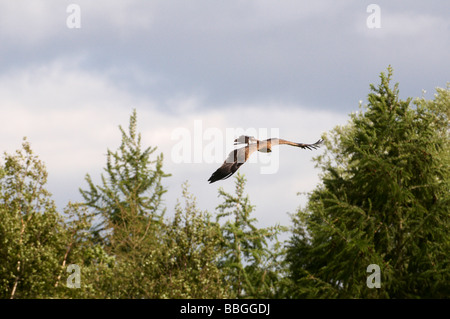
129 200
250 263
384 200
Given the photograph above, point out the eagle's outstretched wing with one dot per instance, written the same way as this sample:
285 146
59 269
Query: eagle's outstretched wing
239 156
302 145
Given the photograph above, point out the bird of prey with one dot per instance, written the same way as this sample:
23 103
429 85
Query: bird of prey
239 156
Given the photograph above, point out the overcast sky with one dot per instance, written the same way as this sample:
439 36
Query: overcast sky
290 68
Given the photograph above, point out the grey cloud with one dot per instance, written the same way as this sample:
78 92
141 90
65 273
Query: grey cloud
317 54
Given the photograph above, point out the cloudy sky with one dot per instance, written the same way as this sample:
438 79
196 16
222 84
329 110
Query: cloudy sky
70 75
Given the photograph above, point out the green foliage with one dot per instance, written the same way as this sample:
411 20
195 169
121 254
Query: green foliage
36 242
178 260
31 231
132 188
384 200
154 257
191 250
251 266
82 250
129 205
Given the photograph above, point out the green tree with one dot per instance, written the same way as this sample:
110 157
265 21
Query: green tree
154 256
384 199
32 234
250 264
36 242
188 263
129 207
131 193
179 261
81 249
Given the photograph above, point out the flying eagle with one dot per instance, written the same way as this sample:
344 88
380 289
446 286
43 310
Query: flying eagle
239 156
